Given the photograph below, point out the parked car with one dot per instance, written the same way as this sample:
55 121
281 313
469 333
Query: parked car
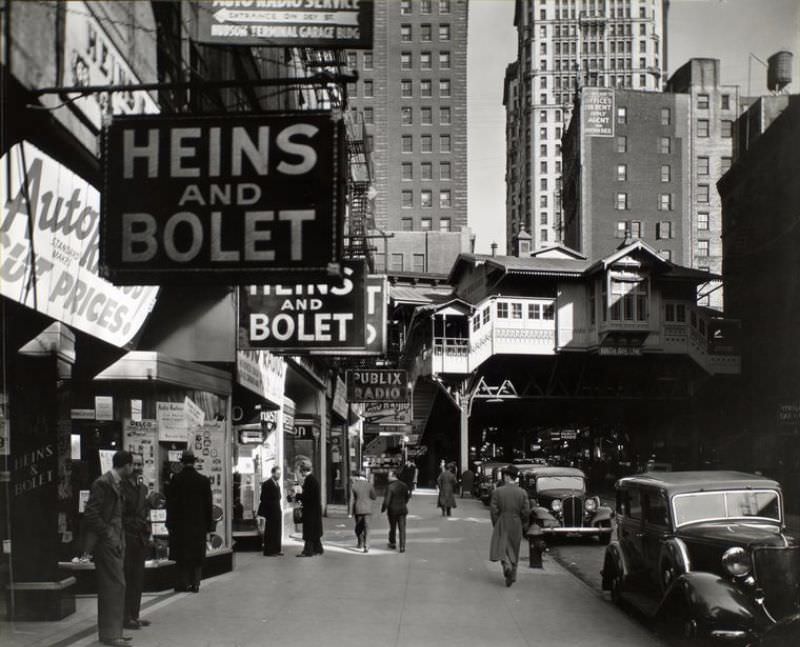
488 475
561 506
706 555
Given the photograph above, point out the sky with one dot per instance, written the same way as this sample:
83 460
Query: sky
741 33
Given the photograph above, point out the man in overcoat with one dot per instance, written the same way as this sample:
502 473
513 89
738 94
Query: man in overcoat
189 520
136 522
447 485
363 496
511 512
269 507
395 505
103 515
311 500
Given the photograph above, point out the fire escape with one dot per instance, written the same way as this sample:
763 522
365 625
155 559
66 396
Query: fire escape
358 192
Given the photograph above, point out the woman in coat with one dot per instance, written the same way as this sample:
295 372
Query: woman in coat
312 512
447 485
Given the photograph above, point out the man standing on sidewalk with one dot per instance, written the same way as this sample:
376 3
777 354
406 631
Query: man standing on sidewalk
511 513
136 522
311 500
363 496
104 522
269 507
395 505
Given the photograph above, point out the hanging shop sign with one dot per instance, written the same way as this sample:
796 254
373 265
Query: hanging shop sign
262 373
597 105
319 317
339 401
232 199
378 385
92 58
377 298
328 24
387 414
49 235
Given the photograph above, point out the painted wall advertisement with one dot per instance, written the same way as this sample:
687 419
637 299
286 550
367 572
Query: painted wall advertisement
56 273
597 105
343 24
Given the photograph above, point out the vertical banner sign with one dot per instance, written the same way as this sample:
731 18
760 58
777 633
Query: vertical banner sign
230 199
328 24
378 385
376 320
597 105
320 317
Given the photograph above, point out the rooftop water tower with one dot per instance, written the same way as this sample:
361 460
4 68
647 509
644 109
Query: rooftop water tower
779 71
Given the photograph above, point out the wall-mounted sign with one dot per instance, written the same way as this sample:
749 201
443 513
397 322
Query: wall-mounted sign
339 402
261 372
328 24
227 198
323 316
377 385
62 212
597 105
377 298
391 414
172 423
251 436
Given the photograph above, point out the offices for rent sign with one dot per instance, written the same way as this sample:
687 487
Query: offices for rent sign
49 233
342 24
597 105
227 198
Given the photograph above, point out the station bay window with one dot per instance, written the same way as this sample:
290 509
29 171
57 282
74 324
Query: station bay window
502 310
627 299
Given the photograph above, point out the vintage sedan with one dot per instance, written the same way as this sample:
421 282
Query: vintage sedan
560 505
489 473
706 555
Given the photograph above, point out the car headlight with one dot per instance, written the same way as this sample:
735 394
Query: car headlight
590 505
736 561
556 505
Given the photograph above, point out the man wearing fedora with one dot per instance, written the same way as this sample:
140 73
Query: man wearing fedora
189 520
510 511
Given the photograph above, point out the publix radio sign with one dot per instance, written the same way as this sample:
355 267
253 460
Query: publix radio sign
377 385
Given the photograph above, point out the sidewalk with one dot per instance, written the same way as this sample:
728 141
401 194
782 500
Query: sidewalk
442 589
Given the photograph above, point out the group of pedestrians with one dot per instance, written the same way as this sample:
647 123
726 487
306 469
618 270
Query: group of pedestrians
118 535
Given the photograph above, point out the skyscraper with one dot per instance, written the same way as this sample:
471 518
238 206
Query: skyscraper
564 45
412 95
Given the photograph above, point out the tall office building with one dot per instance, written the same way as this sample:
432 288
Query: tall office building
564 45
412 95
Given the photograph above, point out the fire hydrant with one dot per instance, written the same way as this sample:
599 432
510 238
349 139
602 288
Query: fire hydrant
536 546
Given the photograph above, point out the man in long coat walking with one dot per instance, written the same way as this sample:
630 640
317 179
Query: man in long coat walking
395 505
189 520
511 512
310 497
447 484
103 516
136 521
363 496
270 508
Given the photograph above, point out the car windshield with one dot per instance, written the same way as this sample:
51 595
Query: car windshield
715 506
560 483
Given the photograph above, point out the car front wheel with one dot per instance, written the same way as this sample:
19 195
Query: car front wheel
614 581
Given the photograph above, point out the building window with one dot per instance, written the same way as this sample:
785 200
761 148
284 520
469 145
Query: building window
543 235
665 145
426 143
444 171
665 202
426 224
543 149
425 88
407 198
444 199
407 224
702 127
444 224
444 87
703 247
636 229
426 198
444 143
444 116
543 201
702 220
426 171
406 116
444 60
418 262
397 262
534 311
407 170
724 165
406 144
627 302
621 230
702 193
622 172
542 133
543 166
725 102
486 314
369 115
666 116
666 254
543 184
543 116
702 165
425 7
406 88
368 61
444 7
622 144
405 61
516 311
352 59
426 33
622 115
425 61
621 201
663 230
727 128
444 33
666 173
426 115
502 310
368 89
405 33
543 218
405 6
702 102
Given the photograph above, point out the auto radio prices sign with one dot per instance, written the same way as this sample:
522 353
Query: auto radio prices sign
342 24
378 385
232 199
49 231
324 316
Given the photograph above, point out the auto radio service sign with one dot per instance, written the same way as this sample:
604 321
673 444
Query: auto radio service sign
224 198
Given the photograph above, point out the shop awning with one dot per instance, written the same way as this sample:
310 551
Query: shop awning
158 367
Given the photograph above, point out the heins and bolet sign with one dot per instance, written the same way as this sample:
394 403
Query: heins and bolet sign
226 198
